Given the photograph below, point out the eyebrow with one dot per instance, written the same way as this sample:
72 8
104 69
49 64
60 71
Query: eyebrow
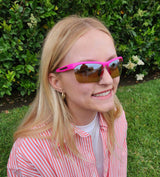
110 58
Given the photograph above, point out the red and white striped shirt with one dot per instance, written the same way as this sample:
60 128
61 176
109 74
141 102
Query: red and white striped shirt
35 157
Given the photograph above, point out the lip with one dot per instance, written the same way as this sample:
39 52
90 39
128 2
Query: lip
103 96
102 92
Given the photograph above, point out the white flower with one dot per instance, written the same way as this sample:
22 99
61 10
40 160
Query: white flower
140 62
130 65
139 77
30 25
137 60
33 21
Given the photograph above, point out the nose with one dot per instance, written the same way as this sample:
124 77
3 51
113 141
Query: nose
106 78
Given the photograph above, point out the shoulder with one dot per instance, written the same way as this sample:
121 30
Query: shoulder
31 157
120 127
26 150
119 156
121 120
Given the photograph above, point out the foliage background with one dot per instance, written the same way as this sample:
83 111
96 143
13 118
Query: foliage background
134 24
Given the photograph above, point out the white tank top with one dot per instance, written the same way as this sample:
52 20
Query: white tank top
93 129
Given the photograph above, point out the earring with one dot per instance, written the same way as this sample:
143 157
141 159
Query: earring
63 96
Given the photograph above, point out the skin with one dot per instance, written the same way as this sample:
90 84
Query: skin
81 97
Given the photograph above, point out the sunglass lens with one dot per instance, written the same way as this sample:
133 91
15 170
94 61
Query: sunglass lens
86 73
115 68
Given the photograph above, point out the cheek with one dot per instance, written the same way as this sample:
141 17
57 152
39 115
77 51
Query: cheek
72 87
68 79
78 89
77 95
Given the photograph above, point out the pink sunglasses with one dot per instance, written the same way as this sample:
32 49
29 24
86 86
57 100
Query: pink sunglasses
91 71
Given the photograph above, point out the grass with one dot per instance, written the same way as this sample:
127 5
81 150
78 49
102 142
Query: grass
8 123
142 106
141 103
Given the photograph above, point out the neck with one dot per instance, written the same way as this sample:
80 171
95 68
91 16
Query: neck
83 118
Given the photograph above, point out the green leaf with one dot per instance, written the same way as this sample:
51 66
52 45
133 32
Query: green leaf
30 68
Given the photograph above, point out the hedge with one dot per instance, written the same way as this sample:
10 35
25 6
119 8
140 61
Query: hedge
134 24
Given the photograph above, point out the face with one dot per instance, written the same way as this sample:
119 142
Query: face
84 100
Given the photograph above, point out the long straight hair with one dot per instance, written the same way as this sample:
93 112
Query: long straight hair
48 111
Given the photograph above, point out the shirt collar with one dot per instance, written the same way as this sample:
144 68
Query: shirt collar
102 123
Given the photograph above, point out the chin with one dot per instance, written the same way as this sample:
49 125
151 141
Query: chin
107 107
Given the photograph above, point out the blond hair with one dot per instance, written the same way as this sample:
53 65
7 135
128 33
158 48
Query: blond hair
48 110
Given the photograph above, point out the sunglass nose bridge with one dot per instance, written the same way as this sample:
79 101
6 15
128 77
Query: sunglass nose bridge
100 72
105 66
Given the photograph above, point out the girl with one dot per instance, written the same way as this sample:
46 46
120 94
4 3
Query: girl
76 127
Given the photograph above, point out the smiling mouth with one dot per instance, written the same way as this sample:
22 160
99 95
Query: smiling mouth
102 94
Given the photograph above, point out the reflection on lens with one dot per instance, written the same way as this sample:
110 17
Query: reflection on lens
115 68
86 73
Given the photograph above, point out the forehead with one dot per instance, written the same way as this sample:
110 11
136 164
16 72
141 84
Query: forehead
95 45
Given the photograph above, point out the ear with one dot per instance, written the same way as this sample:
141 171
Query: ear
55 82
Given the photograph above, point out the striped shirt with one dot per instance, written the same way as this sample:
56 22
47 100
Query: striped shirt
35 157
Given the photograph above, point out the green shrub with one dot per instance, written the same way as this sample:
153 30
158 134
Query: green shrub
23 25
